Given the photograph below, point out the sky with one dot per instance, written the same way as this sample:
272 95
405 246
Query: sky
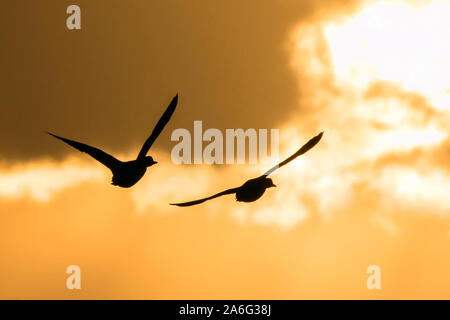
371 74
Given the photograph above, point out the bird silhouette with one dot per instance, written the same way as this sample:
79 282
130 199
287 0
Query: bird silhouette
253 189
127 174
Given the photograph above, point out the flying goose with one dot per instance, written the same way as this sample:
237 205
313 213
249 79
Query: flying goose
126 174
253 189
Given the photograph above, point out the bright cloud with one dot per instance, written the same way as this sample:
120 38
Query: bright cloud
40 180
377 87
395 41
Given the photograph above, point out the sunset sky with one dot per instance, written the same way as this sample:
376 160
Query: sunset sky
374 75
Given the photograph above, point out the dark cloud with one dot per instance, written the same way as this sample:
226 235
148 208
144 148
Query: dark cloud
108 83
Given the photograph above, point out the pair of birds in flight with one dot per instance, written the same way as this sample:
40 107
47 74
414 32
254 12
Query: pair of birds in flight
127 174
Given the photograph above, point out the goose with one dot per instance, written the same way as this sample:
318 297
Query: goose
126 174
253 189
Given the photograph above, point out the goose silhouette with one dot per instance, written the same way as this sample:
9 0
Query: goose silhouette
126 174
253 189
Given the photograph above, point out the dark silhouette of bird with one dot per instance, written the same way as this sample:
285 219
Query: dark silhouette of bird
253 189
127 174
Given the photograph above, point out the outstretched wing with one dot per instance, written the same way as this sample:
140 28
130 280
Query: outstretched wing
311 143
95 153
159 127
192 203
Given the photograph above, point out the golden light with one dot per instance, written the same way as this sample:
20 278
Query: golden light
399 42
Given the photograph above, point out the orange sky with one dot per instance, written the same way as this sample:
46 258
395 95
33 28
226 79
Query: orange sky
373 191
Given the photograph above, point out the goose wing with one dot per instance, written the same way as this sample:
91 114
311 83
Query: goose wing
307 146
99 155
192 203
159 127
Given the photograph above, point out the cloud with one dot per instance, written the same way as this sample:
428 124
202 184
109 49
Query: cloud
41 180
378 134
108 83
414 189
375 131
372 119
